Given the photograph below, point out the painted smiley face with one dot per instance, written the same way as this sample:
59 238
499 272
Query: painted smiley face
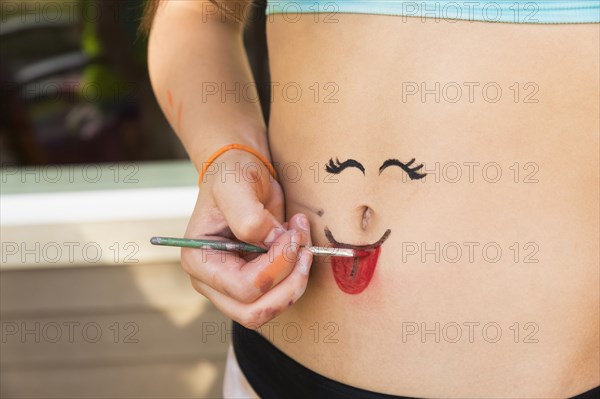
353 275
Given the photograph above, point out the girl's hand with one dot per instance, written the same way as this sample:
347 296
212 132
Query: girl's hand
242 201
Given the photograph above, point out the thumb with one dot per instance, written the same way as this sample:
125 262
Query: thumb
244 207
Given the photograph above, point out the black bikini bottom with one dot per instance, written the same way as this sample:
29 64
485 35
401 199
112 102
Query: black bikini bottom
273 374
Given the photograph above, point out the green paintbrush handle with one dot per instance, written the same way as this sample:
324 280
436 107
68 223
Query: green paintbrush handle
239 246
210 244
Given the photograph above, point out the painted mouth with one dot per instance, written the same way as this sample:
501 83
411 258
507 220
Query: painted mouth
353 275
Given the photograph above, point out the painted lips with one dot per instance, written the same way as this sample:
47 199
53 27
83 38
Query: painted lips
353 275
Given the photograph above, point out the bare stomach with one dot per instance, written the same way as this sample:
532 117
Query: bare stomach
486 283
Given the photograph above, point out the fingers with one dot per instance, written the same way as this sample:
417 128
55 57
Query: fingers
247 208
263 290
300 222
244 281
229 274
275 203
269 305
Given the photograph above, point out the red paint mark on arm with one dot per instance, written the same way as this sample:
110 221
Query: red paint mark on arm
179 112
170 96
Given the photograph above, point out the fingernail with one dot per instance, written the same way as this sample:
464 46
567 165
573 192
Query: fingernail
296 237
303 222
274 234
305 262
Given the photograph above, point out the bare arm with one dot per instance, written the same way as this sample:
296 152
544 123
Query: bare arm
193 51
192 48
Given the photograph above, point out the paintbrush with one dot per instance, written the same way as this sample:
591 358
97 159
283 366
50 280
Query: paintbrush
239 246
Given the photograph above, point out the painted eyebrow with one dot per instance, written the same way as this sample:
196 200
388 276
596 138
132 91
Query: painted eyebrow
407 167
336 166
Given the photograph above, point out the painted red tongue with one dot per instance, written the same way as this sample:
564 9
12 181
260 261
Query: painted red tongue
361 253
353 275
354 268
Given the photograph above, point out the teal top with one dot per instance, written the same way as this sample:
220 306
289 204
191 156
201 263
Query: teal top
510 11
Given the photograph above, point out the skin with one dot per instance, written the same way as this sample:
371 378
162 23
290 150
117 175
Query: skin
191 45
370 123
170 109
267 277
368 57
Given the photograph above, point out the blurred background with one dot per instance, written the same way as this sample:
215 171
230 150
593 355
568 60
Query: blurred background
75 86
90 171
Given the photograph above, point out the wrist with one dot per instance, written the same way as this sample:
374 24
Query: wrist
235 158
202 150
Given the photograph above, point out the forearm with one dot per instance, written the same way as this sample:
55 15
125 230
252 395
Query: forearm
191 50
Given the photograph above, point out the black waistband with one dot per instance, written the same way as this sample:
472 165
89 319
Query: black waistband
273 374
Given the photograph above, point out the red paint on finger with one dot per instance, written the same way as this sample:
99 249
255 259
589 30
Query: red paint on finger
270 313
266 278
264 315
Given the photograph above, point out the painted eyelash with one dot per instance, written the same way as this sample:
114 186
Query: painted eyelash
413 173
336 166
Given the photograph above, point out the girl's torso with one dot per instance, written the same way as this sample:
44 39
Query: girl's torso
487 285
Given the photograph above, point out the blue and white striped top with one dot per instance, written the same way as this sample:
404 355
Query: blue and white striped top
510 11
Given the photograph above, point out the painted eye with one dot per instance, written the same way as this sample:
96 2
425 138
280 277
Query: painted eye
413 172
336 166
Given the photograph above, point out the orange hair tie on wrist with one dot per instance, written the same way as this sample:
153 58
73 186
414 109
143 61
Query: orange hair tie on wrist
228 147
